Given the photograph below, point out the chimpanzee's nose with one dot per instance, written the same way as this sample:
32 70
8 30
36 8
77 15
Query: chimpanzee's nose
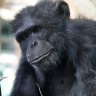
34 43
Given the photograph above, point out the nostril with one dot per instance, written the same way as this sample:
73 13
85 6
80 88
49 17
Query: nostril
34 44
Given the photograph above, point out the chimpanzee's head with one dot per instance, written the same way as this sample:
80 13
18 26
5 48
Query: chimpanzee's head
41 32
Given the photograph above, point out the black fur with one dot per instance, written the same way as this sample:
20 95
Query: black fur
70 68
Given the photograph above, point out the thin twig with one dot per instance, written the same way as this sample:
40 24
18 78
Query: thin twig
3 78
39 89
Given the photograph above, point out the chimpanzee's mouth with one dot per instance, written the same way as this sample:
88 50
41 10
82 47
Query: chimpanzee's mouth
36 60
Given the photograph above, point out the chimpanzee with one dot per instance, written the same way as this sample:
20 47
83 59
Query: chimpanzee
58 53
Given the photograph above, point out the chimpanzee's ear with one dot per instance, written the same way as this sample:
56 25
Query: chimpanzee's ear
62 9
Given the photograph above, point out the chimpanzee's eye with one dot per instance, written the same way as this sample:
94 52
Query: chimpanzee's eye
36 29
21 36
25 34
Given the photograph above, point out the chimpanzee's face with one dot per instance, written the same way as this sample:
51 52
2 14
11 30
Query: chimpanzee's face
41 35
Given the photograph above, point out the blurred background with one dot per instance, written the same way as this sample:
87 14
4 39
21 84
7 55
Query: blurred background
9 48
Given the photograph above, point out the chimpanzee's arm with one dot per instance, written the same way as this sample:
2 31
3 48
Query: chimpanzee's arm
25 82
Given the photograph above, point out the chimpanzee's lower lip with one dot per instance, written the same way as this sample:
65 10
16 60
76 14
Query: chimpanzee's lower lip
40 58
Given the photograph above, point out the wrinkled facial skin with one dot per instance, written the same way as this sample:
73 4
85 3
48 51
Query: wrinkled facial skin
43 47
40 34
